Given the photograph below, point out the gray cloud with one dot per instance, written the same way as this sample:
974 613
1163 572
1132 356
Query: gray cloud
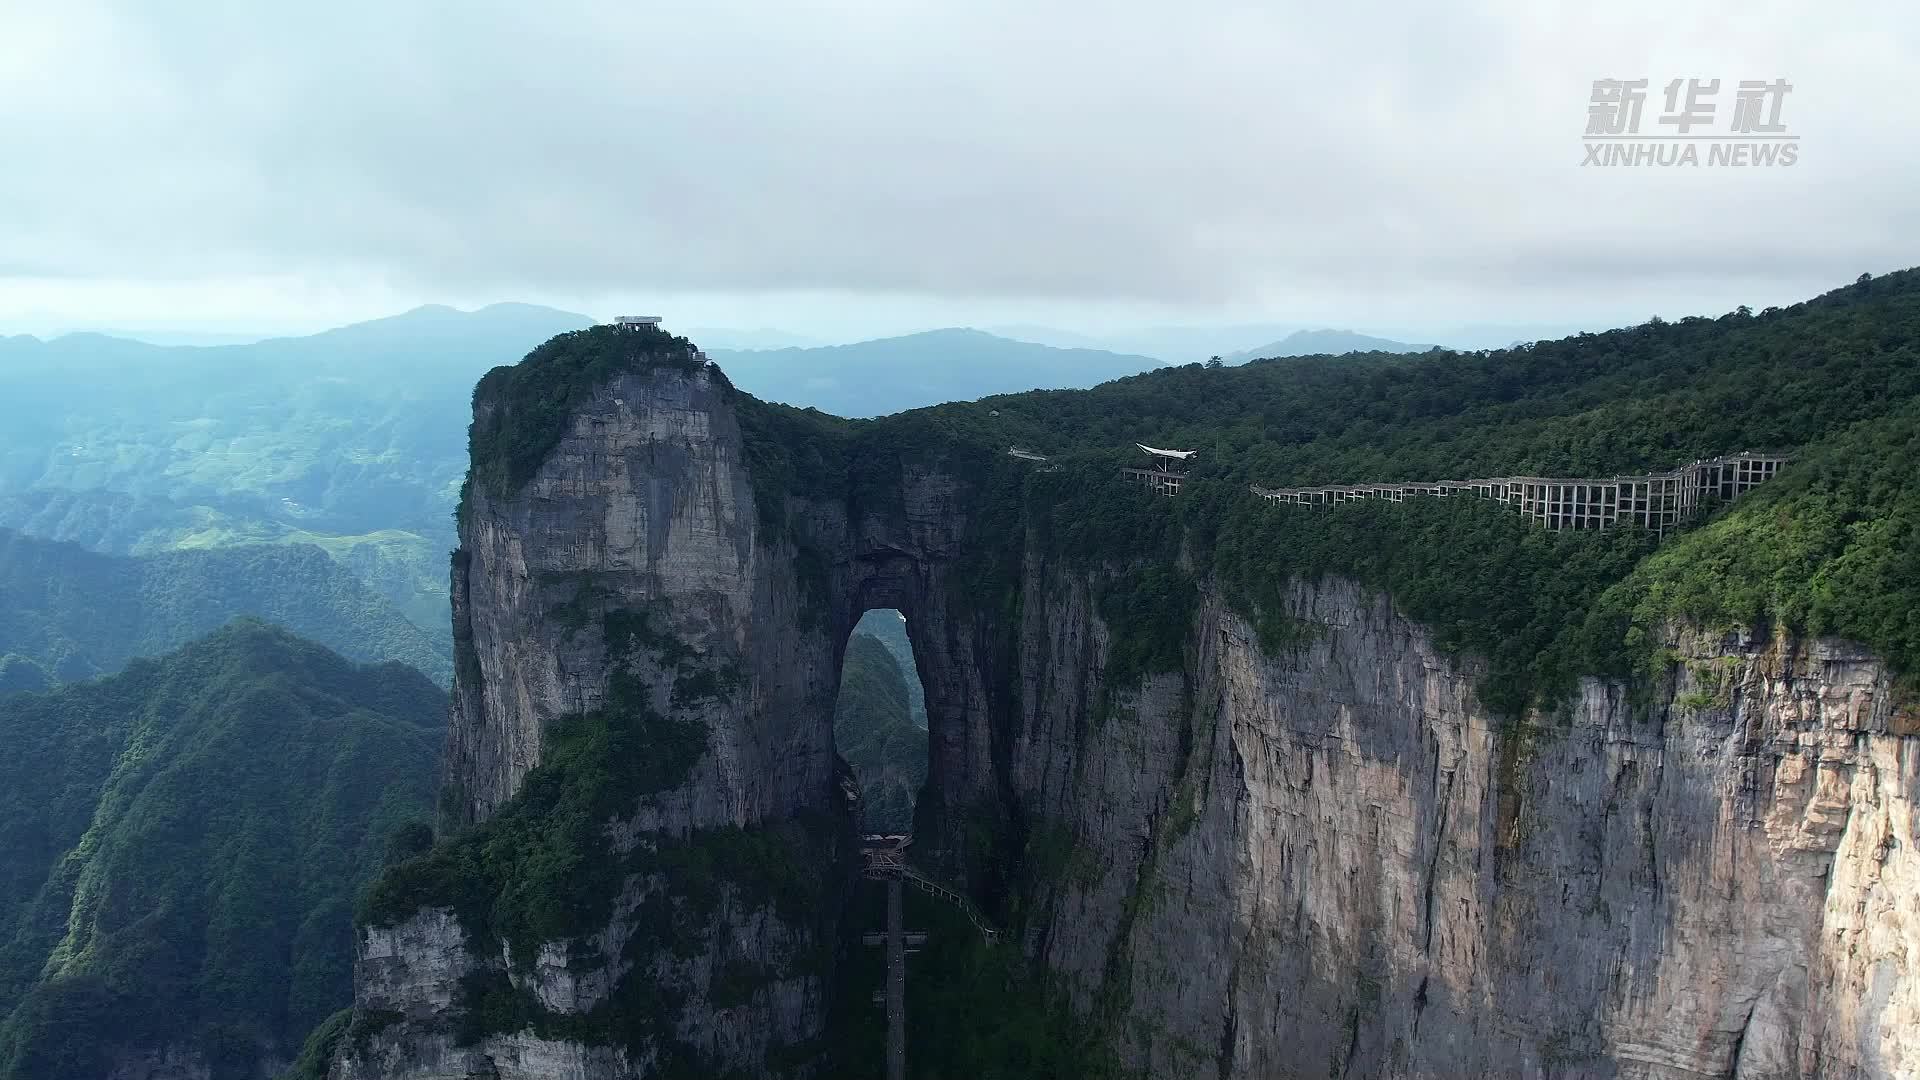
1264 156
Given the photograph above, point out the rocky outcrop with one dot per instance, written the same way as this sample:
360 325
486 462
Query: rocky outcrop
1332 860
630 565
644 506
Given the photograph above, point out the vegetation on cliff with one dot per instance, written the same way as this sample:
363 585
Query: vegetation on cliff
1830 547
546 868
542 869
521 411
183 843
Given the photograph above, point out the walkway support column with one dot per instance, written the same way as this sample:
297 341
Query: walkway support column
896 984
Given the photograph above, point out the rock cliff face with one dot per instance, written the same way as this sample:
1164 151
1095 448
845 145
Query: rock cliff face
1330 861
631 560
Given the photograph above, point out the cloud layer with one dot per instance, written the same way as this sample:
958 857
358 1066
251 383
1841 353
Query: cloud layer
1209 155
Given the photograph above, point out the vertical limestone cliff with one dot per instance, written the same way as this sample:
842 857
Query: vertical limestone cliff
1332 862
624 592
642 509
1327 859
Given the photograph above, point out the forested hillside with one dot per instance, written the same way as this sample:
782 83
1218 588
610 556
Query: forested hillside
1834 380
888 625
68 614
874 731
181 845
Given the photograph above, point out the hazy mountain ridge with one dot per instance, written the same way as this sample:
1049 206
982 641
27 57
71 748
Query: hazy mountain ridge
1170 344
890 628
1324 342
348 438
889 375
72 614
353 439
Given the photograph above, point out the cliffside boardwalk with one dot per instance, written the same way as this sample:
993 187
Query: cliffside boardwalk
1657 501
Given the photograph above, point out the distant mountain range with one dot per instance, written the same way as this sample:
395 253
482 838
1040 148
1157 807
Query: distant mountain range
353 439
874 731
68 614
872 378
1323 343
718 337
1187 344
1169 344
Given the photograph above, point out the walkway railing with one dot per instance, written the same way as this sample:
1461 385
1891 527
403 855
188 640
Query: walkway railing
1656 501
890 862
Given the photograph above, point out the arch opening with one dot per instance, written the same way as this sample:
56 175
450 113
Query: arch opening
880 721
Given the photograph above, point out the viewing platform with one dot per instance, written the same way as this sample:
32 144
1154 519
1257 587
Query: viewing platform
1166 472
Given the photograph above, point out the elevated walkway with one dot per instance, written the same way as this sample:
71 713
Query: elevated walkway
886 860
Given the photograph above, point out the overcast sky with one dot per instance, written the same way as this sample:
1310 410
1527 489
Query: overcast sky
847 168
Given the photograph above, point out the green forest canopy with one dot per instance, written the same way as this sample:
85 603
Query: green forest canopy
181 846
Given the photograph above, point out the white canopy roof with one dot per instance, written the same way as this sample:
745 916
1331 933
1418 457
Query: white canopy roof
1178 455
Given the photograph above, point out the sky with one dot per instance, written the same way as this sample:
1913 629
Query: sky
848 169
